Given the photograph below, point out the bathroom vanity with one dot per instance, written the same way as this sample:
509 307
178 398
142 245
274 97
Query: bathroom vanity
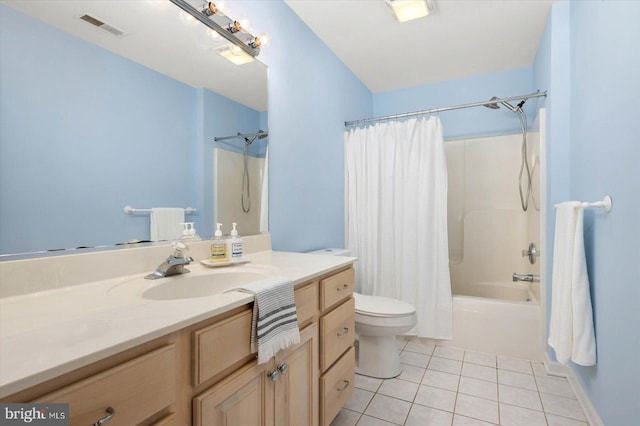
107 350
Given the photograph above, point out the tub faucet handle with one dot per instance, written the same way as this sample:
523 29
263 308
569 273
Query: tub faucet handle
532 252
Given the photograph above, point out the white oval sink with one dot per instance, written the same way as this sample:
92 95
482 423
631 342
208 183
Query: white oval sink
198 283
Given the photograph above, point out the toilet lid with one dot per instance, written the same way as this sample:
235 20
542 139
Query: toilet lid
382 306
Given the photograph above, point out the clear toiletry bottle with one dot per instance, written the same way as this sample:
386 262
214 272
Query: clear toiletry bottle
218 246
235 244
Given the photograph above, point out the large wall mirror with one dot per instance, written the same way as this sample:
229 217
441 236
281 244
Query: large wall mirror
96 118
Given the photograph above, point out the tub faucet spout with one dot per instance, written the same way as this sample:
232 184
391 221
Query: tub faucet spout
525 277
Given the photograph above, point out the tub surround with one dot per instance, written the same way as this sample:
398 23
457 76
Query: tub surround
54 318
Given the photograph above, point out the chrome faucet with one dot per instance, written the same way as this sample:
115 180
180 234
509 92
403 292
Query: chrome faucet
525 277
174 264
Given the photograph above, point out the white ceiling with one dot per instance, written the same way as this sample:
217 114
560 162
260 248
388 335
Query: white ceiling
159 36
461 38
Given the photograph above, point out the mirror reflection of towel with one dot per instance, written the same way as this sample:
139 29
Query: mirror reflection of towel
166 223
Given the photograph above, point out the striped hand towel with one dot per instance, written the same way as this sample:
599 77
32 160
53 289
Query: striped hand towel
275 322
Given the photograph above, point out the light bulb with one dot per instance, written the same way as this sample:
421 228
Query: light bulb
246 24
265 38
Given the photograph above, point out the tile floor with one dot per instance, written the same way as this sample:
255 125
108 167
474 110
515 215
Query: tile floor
447 386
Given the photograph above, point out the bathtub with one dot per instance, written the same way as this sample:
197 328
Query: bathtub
501 318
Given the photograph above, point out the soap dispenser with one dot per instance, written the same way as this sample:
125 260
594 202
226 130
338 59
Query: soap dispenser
218 247
235 244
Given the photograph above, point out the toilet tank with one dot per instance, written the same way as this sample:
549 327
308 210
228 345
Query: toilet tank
332 251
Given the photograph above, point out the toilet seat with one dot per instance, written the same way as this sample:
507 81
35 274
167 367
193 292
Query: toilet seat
378 306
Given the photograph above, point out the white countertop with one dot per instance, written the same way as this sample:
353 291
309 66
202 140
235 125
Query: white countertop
49 333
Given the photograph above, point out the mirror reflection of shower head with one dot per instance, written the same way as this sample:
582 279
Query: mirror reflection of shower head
493 106
260 135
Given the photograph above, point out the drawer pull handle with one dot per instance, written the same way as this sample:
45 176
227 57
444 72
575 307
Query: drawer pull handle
110 413
283 368
343 288
346 385
343 332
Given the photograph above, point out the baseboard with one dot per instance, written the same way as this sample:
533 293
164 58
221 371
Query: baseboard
556 369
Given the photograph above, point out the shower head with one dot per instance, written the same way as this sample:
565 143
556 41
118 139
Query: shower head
494 105
260 135
504 103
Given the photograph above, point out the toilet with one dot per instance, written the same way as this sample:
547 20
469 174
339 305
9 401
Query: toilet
378 321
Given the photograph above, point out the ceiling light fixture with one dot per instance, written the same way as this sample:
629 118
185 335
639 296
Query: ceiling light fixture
406 10
245 47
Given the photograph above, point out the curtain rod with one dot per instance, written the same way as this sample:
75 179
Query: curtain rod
538 94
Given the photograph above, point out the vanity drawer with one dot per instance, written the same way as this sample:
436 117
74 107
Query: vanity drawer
221 345
306 302
336 386
337 331
336 288
136 390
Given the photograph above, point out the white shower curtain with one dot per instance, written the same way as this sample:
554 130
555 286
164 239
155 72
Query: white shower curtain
397 217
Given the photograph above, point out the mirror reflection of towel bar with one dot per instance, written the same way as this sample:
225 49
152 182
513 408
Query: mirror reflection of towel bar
130 210
606 204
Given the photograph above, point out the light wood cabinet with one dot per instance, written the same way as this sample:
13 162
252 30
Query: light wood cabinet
205 374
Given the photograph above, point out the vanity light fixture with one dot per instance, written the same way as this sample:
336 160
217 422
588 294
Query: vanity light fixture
245 46
406 10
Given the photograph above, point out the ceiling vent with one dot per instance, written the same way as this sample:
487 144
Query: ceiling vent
102 25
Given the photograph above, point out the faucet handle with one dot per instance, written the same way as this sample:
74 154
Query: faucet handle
179 249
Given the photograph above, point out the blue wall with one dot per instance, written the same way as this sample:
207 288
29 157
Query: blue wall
588 59
85 132
311 94
605 159
469 122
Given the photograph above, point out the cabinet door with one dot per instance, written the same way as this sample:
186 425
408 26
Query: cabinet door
296 390
243 399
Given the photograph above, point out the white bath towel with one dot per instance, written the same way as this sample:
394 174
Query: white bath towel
275 321
165 223
571 332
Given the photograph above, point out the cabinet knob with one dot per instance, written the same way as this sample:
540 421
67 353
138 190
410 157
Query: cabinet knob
110 413
343 332
343 387
274 375
283 368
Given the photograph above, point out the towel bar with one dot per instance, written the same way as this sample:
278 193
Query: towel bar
606 204
130 210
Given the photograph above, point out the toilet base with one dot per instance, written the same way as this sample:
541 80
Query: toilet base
378 356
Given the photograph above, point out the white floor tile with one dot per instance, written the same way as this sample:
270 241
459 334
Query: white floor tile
448 352
400 389
359 400
521 397
459 420
444 364
514 364
519 380
481 372
561 406
367 383
441 399
411 373
538 369
479 388
421 348
477 408
441 380
555 386
415 359
517 416
563 421
372 421
481 358
400 343
346 418
422 416
389 409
